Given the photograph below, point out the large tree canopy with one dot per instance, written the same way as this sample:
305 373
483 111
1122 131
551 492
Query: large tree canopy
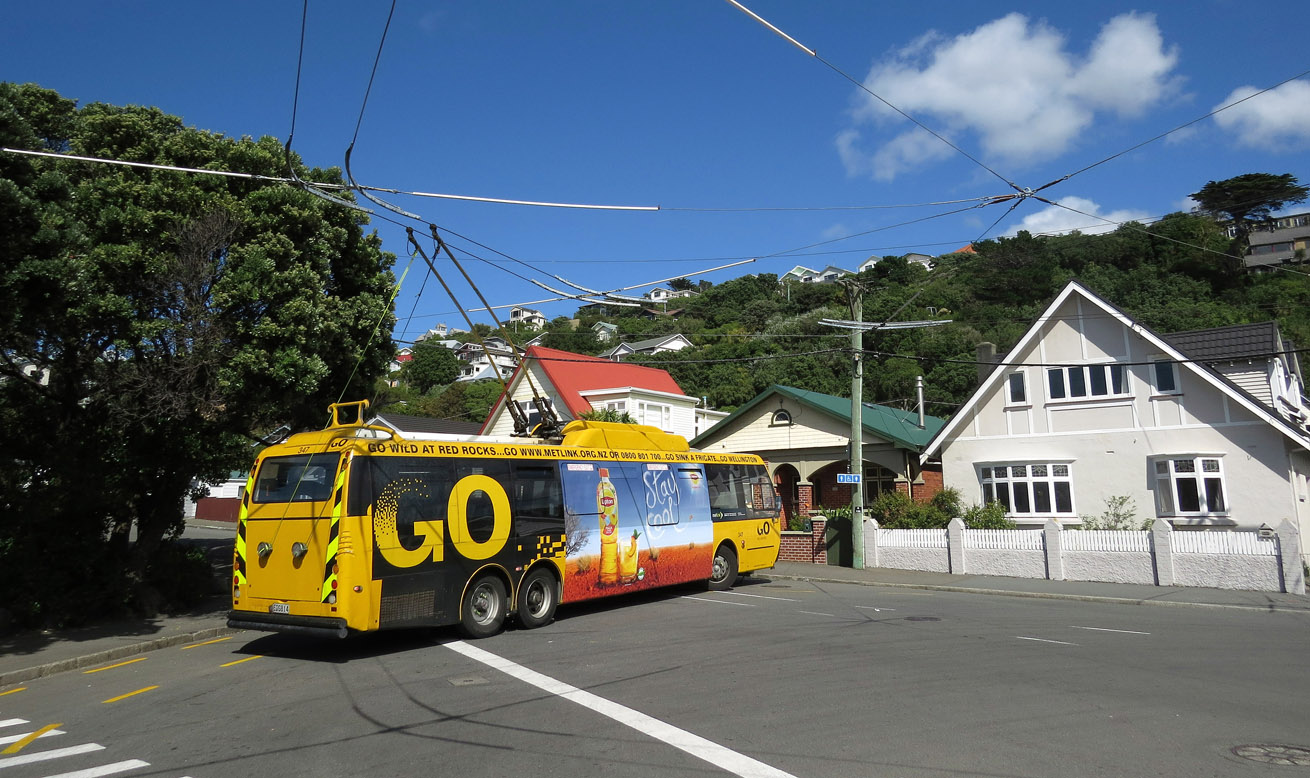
1249 198
151 323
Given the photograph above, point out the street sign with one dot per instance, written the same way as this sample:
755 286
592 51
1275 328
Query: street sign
848 478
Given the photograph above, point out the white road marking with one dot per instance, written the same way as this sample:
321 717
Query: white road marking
721 602
109 769
1042 640
4 741
762 596
12 722
699 747
816 613
871 608
1123 631
42 756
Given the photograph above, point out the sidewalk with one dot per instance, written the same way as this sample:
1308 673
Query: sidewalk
30 655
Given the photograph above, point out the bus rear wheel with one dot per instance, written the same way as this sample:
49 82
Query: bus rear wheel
724 574
482 613
538 596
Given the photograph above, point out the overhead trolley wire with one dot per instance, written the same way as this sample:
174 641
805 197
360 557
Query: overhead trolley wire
860 85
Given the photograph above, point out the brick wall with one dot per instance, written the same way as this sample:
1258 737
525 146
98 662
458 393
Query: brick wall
932 482
805 546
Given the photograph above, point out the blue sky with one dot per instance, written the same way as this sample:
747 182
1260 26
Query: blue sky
750 147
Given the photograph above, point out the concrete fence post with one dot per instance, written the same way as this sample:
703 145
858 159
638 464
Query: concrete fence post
1052 534
1289 558
871 543
1162 552
955 544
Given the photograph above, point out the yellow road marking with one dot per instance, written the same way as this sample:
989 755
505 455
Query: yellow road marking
129 694
14 691
111 667
19 745
239 661
207 643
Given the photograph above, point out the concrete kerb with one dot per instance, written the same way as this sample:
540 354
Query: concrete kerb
109 655
1037 595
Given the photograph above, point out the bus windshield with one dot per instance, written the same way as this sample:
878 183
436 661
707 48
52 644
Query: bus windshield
300 478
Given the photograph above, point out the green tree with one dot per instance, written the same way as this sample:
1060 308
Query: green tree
430 366
1249 199
152 323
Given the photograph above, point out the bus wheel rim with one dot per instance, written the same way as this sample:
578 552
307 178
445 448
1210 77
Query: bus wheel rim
484 604
538 599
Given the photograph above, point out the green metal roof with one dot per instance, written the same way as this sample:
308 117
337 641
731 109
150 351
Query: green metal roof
895 426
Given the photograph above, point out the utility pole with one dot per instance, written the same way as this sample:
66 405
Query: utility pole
856 292
854 295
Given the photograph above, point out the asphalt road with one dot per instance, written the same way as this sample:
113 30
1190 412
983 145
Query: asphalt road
775 678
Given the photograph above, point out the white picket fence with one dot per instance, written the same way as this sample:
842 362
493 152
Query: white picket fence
1161 555
1108 540
912 538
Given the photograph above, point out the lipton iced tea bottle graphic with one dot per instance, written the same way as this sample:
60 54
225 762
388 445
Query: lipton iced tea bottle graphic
607 505
628 559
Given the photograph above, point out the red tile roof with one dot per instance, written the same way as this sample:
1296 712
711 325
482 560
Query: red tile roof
570 374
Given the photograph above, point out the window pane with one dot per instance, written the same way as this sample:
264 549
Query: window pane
1098 380
1189 500
1021 504
1063 497
1017 392
1042 497
1214 495
1164 494
1210 465
1077 382
1184 466
986 472
1162 467
1117 379
1055 379
1164 376
1039 471
988 495
1018 471
1060 470
1003 495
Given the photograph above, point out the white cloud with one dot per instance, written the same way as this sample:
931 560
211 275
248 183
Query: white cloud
1013 85
1278 119
1054 220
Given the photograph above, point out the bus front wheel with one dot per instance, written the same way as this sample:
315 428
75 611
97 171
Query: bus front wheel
724 574
483 610
538 596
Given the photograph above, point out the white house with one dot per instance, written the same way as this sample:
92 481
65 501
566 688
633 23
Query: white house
527 318
478 362
574 384
649 346
1090 405
800 273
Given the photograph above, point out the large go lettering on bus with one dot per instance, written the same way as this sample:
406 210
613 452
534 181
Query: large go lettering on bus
433 532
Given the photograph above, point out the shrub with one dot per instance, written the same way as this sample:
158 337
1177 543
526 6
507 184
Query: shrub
989 516
1120 513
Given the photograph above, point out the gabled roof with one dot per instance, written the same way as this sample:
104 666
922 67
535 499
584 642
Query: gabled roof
569 374
1197 368
643 345
405 423
895 426
1224 344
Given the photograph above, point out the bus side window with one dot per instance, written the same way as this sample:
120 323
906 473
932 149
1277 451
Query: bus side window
538 500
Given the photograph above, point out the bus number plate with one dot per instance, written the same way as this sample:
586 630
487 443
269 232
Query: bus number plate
279 607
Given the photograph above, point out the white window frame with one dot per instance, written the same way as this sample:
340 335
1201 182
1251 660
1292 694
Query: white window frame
1023 479
1199 475
1158 361
1086 375
1010 401
654 414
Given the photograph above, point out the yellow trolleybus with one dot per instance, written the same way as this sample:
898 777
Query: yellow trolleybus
355 528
